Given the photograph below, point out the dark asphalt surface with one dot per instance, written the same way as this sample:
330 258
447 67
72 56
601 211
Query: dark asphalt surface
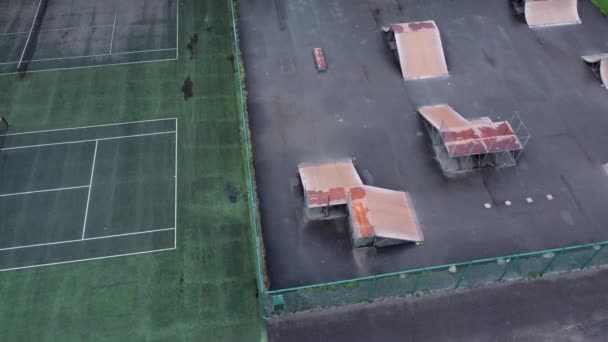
361 108
570 308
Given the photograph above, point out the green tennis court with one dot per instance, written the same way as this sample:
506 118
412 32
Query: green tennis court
86 193
205 288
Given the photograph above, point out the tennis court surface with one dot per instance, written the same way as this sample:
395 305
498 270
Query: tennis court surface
65 34
87 193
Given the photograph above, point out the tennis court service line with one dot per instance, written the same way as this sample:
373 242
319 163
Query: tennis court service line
86 140
86 239
91 56
30 34
93 66
45 190
56 29
113 25
90 126
86 211
86 259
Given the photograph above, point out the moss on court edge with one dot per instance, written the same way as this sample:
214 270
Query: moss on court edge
203 291
602 4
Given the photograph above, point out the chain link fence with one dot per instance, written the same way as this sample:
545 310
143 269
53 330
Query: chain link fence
520 266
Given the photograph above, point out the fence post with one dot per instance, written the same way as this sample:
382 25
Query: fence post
551 262
371 289
462 275
418 280
264 310
323 296
508 268
586 263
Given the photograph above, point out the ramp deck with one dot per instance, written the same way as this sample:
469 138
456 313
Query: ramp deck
420 50
382 217
541 13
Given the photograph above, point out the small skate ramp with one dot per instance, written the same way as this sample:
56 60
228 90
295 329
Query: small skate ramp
381 217
328 184
541 13
418 48
599 65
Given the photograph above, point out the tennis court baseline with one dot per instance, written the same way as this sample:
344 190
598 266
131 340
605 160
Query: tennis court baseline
87 193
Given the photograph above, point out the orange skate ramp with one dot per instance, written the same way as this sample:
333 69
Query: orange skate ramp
420 51
541 13
443 117
599 65
381 217
328 184
464 137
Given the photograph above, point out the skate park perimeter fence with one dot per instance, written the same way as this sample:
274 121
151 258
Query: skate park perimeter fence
532 265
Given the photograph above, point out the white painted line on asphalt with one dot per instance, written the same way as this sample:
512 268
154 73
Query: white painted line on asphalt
90 56
177 30
56 29
113 25
84 141
86 239
45 190
86 211
87 259
92 66
29 35
91 126
175 191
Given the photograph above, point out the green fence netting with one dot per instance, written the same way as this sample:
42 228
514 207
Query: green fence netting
520 266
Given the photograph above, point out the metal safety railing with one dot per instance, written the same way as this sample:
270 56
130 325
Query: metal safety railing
430 279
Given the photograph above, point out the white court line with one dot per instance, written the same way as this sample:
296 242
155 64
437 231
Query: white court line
92 66
175 200
177 30
86 239
45 190
91 126
29 35
55 29
87 140
87 259
113 25
86 211
90 56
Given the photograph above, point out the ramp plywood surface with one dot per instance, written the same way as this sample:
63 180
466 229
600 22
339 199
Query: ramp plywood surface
384 213
443 117
328 183
551 12
420 50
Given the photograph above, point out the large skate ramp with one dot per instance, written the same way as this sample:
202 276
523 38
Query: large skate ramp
381 217
599 65
540 13
456 139
418 48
